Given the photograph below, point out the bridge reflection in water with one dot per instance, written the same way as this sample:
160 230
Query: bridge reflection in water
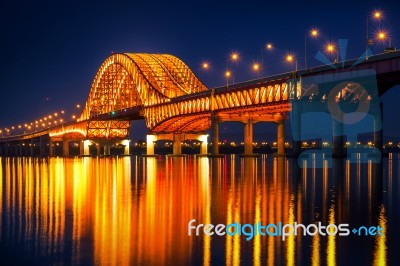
136 210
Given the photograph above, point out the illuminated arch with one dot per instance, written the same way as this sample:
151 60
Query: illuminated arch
130 80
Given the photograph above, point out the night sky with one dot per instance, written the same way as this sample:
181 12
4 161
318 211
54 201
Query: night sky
52 51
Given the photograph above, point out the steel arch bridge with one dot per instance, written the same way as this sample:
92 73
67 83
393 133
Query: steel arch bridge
164 91
126 82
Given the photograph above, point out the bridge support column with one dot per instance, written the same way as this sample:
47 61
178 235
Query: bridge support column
6 149
98 149
65 144
84 147
215 135
296 128
107 148
41 146
150 139
281 138
338 138
20 148
204 144
125 143
248 137
51 147
378 130
177 149
31 151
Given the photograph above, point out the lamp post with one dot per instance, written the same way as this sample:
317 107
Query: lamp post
234 58
268 47
313 34
330 48
256 68
227 75
290 59
376 15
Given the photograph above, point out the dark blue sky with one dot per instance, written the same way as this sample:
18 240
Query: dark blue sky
51 51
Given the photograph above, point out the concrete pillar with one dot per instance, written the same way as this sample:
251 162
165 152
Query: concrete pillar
150 139
6 149
248 137
16 148
338 138
98 148
296 128
378 130
177 149
204 144
84 147
65 144
107 148
20 152
215 136
81 148
41 146
51 148
281 137
125 143
31 151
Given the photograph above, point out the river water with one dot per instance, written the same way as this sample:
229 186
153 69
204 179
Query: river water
135 210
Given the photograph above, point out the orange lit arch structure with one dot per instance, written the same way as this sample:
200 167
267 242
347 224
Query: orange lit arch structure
129 80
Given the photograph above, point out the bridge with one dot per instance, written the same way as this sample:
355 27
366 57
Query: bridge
176 106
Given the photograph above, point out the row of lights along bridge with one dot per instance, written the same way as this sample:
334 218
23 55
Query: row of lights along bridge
330 49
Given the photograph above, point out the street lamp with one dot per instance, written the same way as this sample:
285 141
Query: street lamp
234 58
383 36
330 48
256 68
290 59
205 65
376 15
227 75
313 34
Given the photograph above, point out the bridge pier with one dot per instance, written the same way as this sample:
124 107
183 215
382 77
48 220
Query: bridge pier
338 137
150 139
107 148
296 128
281 138
31 151
378 130
248 137
41 146
51 147
215 136
125 143
177 148
65 144
84 147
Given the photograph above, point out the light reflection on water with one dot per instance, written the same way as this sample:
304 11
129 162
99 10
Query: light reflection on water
129 211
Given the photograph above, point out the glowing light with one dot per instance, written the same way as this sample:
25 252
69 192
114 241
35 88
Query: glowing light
234 56
330 48
205 65
381 35
256 67
269 46
78 106
289 58
314 33
227 74
377 14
